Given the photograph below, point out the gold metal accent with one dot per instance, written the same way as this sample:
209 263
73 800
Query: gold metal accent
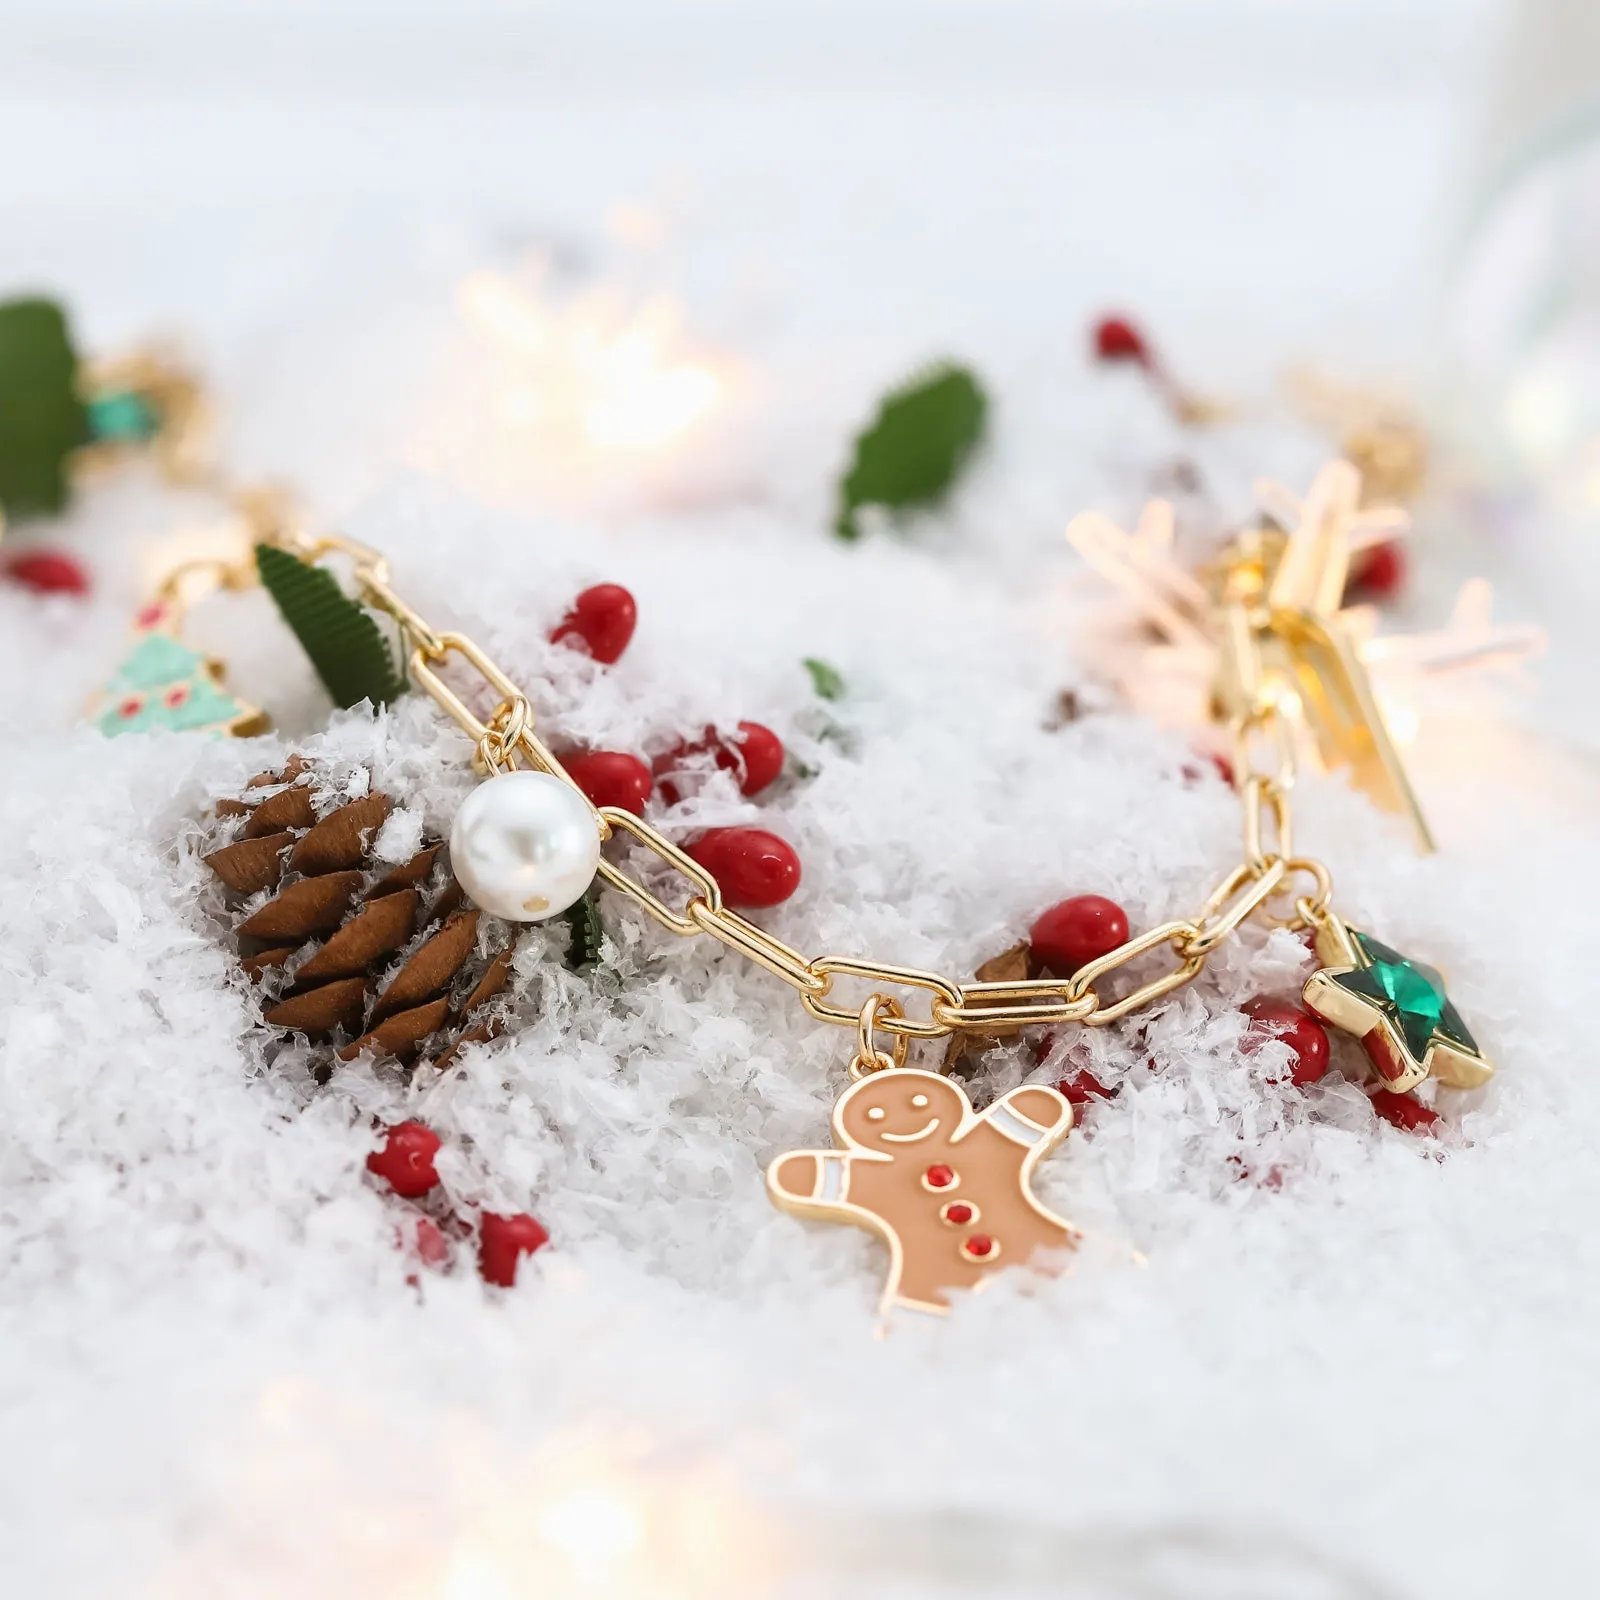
868 1057
1177 934
1286 643
882 972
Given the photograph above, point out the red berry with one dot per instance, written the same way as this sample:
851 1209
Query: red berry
939 1176
1116 339
612 778
754 755
1193 773
754 867
1306 1038
1378 573
503 1241
1076 932
406 1160
1401 1111
1082 1087
422 1238
600 622
47 572
433 1249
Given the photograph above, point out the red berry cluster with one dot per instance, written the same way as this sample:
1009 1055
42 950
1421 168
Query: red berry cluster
1075 932
405 1162
755 868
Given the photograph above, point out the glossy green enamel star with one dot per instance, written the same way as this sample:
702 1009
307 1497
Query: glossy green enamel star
1397 1007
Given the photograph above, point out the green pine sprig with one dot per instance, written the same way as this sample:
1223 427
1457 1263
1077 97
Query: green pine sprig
340 636
826 680
583 924
924 433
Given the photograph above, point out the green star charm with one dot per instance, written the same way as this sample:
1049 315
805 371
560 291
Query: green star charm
1398 1009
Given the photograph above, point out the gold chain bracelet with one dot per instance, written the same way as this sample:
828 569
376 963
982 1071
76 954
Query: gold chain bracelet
948 1188
506 738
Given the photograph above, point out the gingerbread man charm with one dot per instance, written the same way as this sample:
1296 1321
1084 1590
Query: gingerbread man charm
947 1190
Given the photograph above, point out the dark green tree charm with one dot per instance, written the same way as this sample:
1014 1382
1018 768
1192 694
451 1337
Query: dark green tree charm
42 416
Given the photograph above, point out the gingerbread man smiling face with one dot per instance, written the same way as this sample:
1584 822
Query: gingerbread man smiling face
947 1190
891 1111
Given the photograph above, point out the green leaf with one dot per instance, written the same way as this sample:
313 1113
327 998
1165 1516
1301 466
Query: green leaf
920 439
350 654
42 420
583 923
825 679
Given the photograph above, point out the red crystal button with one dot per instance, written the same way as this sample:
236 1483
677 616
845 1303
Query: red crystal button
939 1177
979 1246
958 1212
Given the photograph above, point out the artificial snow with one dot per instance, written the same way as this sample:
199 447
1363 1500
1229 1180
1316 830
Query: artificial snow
1301 1353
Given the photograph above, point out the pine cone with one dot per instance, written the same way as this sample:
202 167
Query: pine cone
352 953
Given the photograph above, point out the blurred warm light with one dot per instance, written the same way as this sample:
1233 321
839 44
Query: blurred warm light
445 1508
1541 414
595 1529
586 1518
1403 719
596 367
224 540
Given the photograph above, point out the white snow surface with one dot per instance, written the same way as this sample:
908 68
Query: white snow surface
1301 1353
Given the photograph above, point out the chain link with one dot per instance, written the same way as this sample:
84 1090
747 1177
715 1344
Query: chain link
879 974
506 738
1175 934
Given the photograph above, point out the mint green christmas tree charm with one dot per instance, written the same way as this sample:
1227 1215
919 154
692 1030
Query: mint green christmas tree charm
165 684
1398 1008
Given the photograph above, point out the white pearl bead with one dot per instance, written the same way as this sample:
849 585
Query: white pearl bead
524 846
